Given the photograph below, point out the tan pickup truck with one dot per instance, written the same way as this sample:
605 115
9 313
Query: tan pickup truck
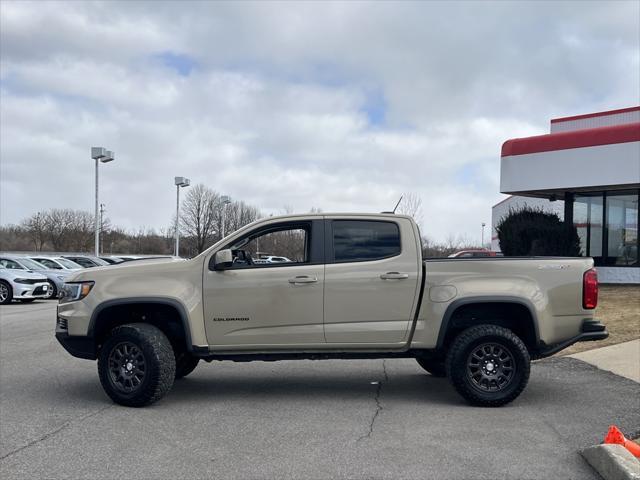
345 286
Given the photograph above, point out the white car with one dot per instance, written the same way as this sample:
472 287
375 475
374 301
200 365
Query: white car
21 285
55 278
56 263
273 259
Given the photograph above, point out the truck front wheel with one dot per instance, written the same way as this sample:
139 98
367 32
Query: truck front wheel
136 365
488 365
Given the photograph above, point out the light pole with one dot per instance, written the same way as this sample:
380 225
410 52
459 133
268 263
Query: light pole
225 201
102 209
482 241
105 156
179 182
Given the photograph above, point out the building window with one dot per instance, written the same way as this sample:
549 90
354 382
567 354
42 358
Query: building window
588 219
622 229
617 244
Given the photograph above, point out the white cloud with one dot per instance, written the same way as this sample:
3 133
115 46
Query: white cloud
276 105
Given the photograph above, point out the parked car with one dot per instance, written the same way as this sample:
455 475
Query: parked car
128 259
19 284
112 260
56 263
360 290
273 259
87 261
474 253
55 278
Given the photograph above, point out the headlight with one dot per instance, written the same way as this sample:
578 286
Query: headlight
75 291
25 280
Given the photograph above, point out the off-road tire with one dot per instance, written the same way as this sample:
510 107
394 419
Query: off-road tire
434 366
459 372
159 364
9 290
185 364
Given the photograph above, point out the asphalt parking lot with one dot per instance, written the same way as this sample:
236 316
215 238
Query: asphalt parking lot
304 419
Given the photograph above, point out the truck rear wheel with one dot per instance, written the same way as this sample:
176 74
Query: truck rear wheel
136 365
433 366
488 365
185 364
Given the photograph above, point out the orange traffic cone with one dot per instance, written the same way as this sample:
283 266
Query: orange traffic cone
614 435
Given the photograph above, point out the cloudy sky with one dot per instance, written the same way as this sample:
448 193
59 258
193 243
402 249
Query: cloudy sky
336 105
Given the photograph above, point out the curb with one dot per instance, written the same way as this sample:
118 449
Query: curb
612 462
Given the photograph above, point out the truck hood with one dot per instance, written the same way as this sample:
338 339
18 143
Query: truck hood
126 269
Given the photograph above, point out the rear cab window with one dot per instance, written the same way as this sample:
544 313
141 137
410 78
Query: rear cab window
364 240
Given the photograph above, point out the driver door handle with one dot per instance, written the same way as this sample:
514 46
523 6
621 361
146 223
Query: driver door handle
394 276
303 279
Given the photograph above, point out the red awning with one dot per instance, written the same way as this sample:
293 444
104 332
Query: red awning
589 137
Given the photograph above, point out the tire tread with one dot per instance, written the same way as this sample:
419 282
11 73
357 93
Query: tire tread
162 362
457 372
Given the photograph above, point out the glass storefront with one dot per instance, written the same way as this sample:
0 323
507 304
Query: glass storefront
607 224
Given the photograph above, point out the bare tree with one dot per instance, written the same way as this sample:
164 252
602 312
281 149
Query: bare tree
80 230
238 214
198 215
35 228
56 226
411 204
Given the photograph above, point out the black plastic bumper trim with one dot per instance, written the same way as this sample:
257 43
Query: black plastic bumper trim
591 330
80 347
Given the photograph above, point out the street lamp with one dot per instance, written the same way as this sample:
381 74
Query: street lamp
179 182
482 241
225 201
102 210
105 156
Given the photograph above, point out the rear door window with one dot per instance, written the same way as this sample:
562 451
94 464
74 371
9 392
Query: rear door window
362 240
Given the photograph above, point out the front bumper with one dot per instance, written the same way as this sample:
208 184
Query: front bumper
78 346
591 330
22 291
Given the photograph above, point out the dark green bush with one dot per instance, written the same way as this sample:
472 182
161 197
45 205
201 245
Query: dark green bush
530 231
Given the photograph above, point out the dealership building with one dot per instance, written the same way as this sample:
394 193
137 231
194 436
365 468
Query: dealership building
587 169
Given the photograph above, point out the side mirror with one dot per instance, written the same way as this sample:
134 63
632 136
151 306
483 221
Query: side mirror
222 259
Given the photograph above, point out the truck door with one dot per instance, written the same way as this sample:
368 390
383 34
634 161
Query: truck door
371 281
259 303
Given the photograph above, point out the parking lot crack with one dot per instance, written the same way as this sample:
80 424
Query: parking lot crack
379 406
54 432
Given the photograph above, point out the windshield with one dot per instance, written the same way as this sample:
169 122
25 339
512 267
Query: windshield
68 263
30 264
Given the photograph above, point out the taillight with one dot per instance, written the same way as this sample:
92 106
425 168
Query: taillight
590 289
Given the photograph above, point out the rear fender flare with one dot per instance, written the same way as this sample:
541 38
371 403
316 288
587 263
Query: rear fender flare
448 314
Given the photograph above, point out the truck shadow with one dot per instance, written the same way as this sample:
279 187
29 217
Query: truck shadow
404 388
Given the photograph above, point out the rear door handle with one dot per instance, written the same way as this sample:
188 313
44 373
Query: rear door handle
303 279
394 276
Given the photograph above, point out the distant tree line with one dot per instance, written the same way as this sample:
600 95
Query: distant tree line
68 230
203 214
